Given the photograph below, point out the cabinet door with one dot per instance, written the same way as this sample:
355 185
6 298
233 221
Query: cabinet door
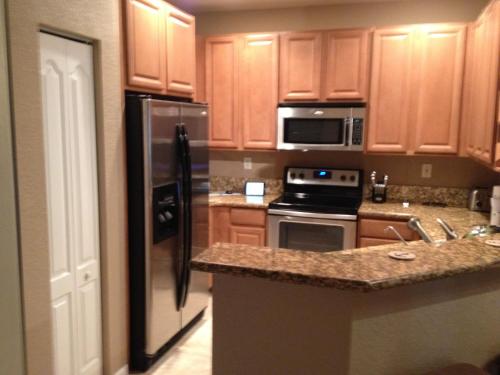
390 90
300 66
491 44
146 62
221 55
440 54
259 90
219 223
181 61
248 236
346 65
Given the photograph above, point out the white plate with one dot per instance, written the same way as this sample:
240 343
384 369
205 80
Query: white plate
495 243
402 255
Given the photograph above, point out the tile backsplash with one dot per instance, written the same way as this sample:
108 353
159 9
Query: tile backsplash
237 184
451 196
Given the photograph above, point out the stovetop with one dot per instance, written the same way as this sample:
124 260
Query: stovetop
321 190
317 204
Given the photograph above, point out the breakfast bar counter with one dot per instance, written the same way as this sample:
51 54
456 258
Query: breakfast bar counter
279 311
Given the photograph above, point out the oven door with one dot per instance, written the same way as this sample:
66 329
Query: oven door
313 232
314 128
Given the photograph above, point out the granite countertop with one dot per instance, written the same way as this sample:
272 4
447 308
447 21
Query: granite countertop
459 218
240 200
366 269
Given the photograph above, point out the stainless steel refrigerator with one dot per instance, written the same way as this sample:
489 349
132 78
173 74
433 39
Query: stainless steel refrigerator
167 162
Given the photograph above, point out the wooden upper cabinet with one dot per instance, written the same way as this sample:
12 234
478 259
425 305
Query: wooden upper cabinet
300 66
481 88
200 92
221 56
181 60
390 90
346 65
146 60
438 88
259 90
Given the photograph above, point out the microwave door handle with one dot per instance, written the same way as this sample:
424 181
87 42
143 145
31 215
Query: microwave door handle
346 129
350 129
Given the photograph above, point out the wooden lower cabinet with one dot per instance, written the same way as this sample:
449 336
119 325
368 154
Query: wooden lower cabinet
371 232
246 226
248 235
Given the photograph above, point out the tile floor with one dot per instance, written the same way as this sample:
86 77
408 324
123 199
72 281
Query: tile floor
192 354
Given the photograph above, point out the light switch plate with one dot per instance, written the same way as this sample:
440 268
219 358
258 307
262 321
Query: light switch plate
247 163
426 170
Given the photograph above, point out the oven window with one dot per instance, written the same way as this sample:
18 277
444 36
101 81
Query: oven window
313 237
314 131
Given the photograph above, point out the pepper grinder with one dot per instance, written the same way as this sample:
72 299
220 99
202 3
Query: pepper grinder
379 189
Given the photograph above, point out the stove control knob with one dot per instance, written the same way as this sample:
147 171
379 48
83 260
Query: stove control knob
343 177
292 176
352 178
301 176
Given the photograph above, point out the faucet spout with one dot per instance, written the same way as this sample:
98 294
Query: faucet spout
415 224
450 233
391 228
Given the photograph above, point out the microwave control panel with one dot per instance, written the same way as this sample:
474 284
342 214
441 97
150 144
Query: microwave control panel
357 131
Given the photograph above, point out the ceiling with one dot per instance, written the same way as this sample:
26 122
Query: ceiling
200 6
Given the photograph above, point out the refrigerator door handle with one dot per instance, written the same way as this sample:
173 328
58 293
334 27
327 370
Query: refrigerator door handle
188 211
181 285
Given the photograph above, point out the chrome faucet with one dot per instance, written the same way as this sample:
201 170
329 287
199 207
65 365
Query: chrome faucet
415 224
391 228
450 233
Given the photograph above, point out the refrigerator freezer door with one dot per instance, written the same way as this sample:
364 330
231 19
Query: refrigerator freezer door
163 319
195 122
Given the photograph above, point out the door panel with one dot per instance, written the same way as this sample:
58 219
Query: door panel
71 168
346 66
248 236
259 90
146 63
221 55
441 51
63 334
390 90
300 66
181 68
195 121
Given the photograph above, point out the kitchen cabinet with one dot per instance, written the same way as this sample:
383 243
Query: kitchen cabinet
389 113
160 48
300 66
238 225
146 59
439 78
242 90
416 89
181 60
481 86
371 232
221 56
346 65
259 90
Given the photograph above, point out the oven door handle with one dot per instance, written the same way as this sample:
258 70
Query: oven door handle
312 215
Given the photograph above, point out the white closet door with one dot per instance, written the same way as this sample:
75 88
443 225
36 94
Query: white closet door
71 168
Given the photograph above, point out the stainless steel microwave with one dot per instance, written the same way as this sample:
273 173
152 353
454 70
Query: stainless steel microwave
321 126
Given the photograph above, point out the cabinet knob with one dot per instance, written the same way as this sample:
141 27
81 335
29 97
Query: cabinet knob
86 277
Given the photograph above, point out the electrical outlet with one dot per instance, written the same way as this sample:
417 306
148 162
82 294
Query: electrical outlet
426 170
247 163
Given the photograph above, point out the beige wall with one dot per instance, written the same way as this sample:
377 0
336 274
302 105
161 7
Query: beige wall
339 16
99 21
11 338
402 170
